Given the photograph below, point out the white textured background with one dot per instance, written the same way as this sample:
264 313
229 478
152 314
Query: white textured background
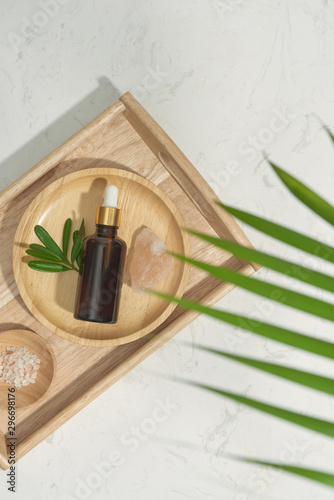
214 74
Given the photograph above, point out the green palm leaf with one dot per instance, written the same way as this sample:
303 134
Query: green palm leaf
310 380
318 425
306 195
266 330
314 475
331 136
281 233
321 477
271 262
281 295
273 292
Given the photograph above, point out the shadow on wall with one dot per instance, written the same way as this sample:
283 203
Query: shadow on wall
59 131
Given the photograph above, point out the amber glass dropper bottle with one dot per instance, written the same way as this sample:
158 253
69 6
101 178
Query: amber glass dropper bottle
101 274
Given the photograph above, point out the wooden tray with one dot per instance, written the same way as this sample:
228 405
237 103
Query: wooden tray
125 137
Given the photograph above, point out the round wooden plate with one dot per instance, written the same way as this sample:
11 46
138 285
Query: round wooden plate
35 344
51 296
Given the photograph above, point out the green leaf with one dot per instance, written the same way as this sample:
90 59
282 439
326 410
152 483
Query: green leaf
331 136
80 254
284 234
310 380
75 235
40 248
46 239
66 235
77 246
44 256
76 249
80 258
306 195
272 292
81 233
321 426
326 128
266 330
314 475
47 267
321 477
271 262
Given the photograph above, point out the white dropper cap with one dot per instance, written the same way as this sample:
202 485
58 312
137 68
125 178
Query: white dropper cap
111 196
108 214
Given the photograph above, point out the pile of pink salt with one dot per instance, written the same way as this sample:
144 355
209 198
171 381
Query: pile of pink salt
150 264
18 367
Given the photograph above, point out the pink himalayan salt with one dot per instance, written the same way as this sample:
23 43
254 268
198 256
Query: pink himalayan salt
150 264
18 367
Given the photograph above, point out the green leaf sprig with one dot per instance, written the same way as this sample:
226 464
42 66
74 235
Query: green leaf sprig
53 259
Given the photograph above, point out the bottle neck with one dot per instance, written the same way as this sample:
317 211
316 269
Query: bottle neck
106 231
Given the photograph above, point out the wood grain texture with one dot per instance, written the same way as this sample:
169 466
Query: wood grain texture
51 296
3 452
127 138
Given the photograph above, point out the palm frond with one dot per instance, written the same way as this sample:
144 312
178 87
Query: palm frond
311 199
324 478
284 234
318 425
310 380
282 266
281 295
266 330
268 290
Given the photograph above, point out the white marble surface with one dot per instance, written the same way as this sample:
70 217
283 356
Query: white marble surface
224 71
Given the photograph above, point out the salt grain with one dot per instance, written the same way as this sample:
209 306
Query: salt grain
18 367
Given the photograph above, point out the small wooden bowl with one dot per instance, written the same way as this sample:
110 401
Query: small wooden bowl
35 344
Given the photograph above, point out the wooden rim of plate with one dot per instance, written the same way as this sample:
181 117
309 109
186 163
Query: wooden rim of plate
18 254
